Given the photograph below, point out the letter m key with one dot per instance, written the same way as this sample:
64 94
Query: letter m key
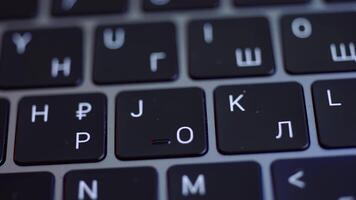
198 188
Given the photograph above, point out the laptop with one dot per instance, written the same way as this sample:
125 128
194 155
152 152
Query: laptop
177 99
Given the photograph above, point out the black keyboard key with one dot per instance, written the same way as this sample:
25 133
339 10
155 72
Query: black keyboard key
164 5
230 48
135 53
215 181
87 7
266 2
61 129
339 1
260 118
318 43
334 103
18 9
41 58
24 186
4 115
315 178
161 123
107 184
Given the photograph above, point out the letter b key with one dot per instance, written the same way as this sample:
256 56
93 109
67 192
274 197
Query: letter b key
273 118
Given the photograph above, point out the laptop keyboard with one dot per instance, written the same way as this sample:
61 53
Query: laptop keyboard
177 99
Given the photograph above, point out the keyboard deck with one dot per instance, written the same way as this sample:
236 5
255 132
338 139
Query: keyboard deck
146 96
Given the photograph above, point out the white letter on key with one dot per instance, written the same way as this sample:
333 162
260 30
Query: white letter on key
112 41
64 67
236 102
78 140
250 59
21 41
301 28
344 55
280 129
83 109
91 192
36 113
208 33
140 110
331 103
191 135
154 57
197 188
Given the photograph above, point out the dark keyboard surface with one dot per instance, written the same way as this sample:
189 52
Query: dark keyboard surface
22 186
18 9
177 99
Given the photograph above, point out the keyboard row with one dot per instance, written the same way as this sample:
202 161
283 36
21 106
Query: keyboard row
172 123
292 179
222 48
29 8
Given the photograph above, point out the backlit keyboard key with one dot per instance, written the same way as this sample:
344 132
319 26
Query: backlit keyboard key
230 48
334 103
315 178
41 58
216 181
160 124
260 118
317 43
61 129
135 53
107 184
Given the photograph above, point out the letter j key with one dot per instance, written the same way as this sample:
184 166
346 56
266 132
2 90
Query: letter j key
160 123
260 118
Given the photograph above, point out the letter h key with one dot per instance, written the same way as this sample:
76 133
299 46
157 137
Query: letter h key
70 128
